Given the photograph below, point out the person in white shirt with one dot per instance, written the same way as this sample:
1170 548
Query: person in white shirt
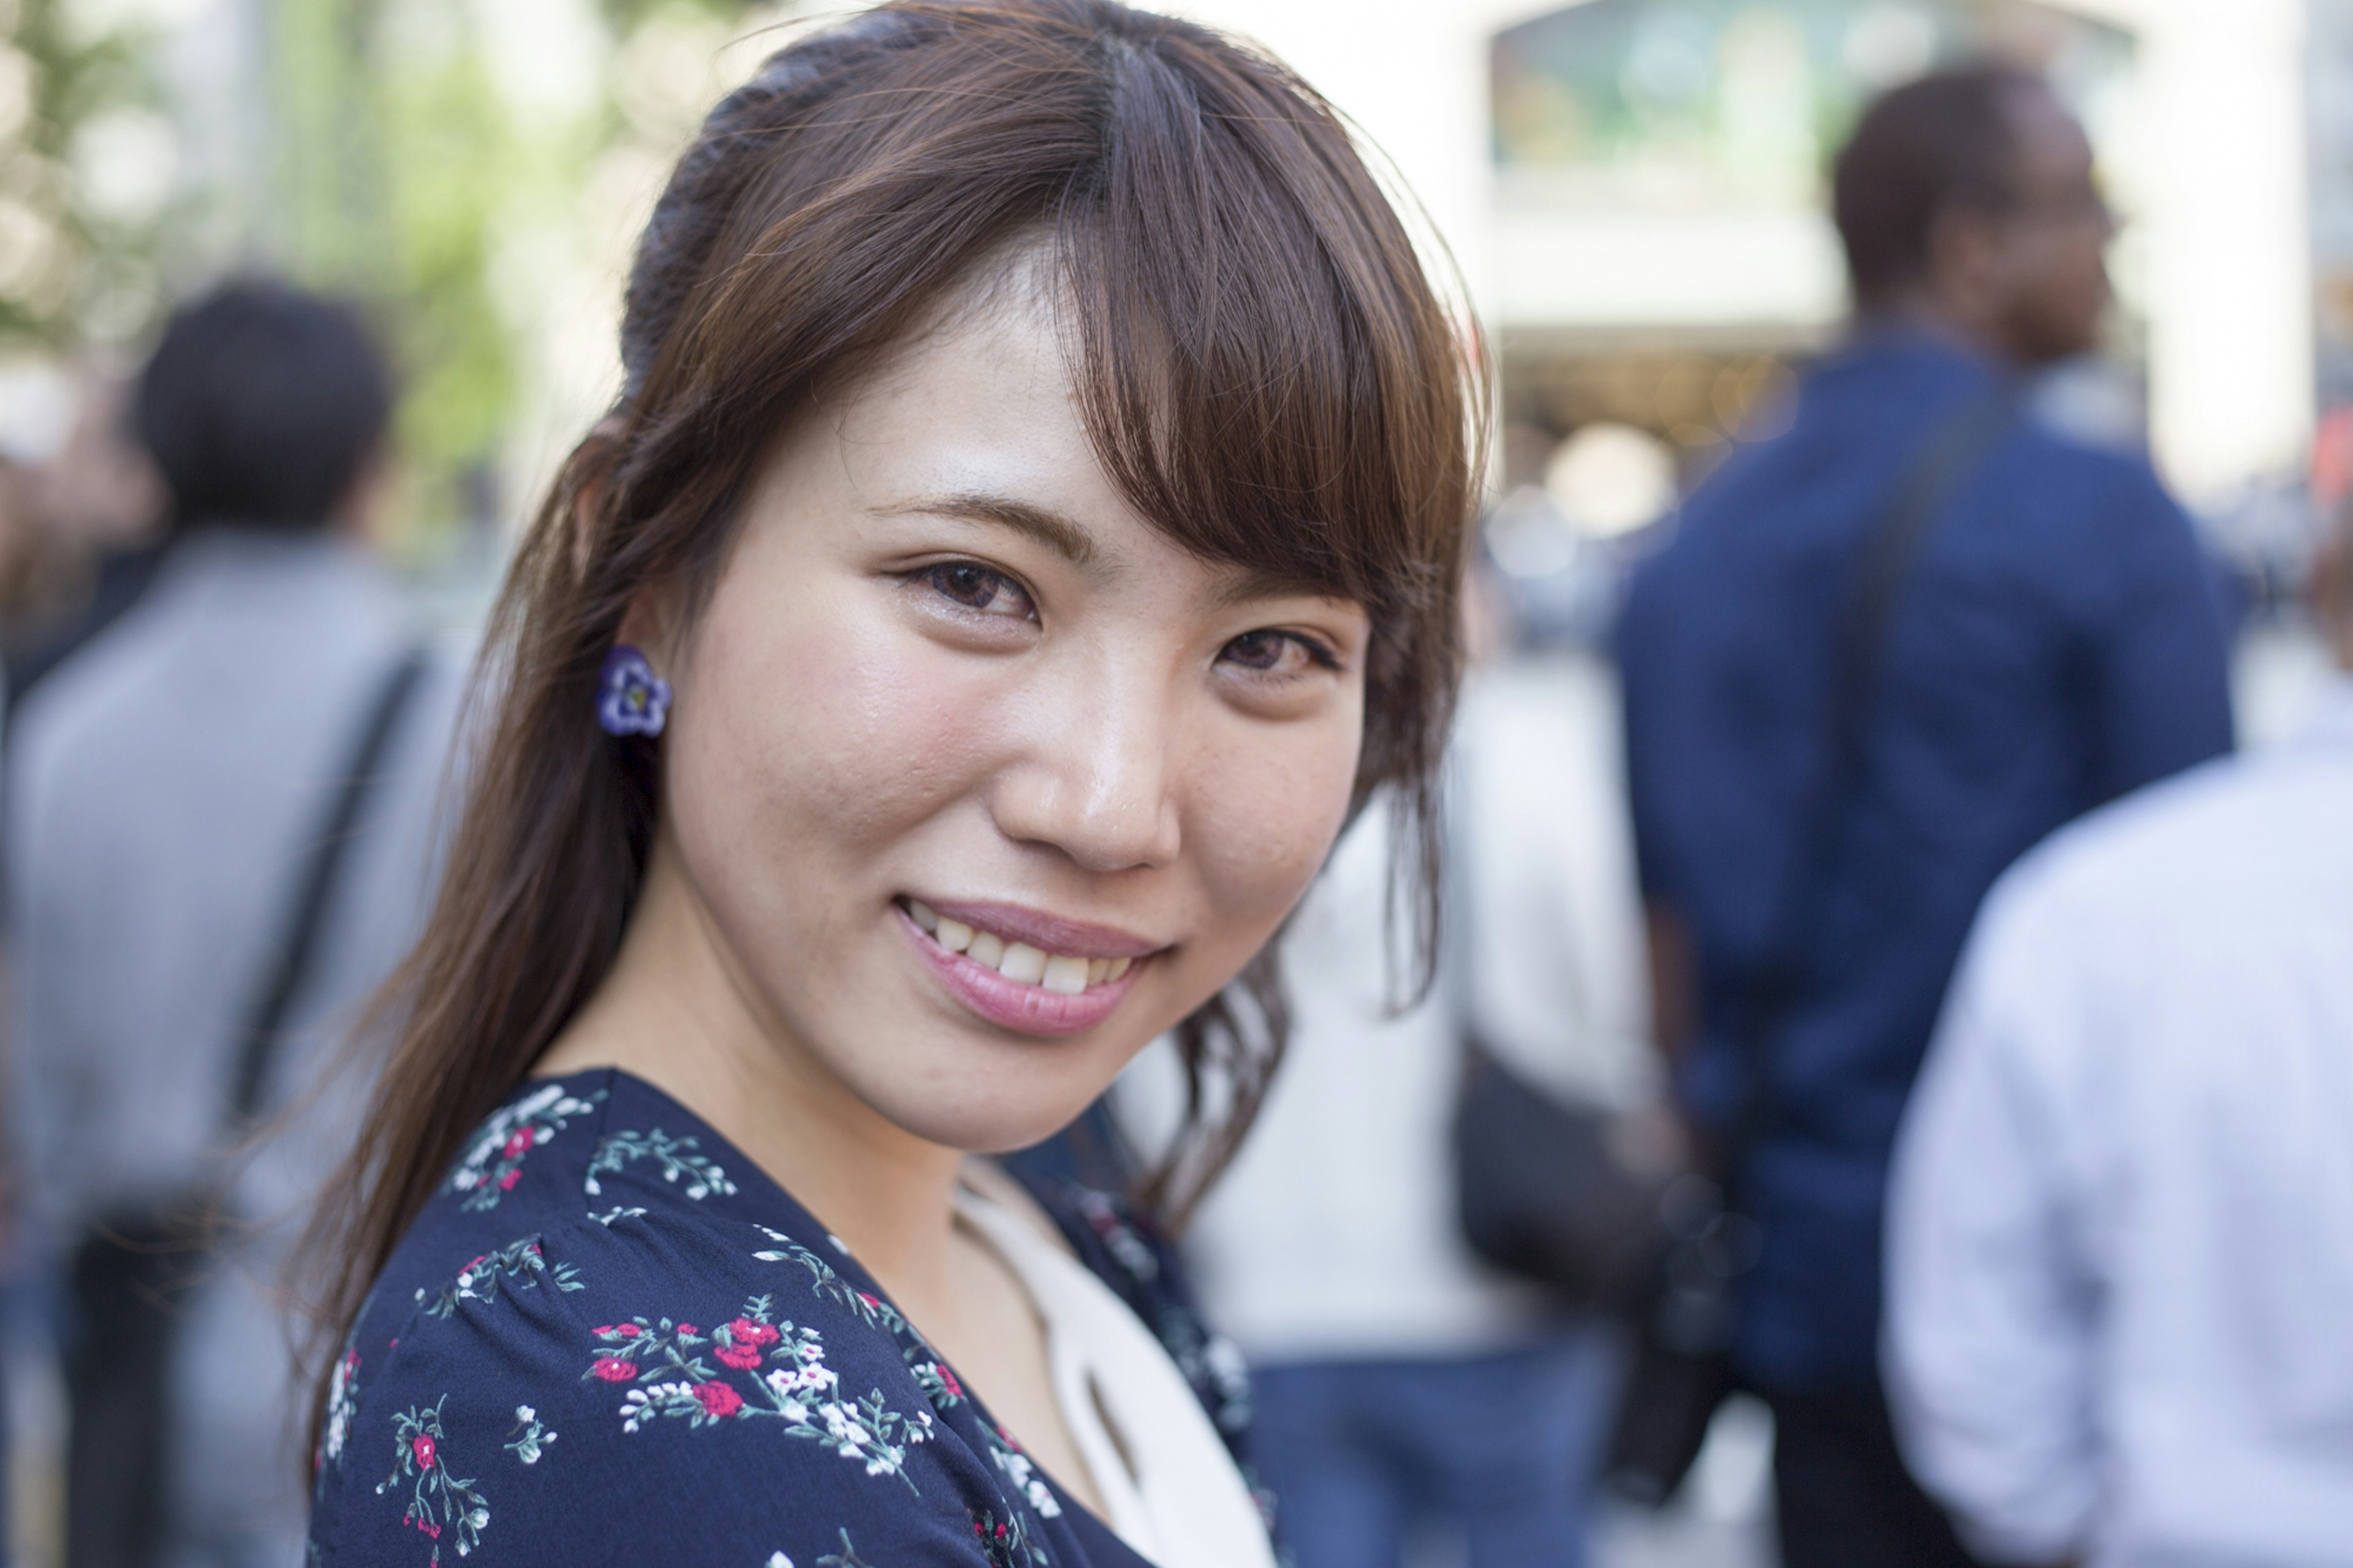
2120 1237
1400 1386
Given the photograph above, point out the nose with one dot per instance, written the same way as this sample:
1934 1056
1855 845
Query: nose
1094 777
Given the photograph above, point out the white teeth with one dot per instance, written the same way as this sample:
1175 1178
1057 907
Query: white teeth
1062 974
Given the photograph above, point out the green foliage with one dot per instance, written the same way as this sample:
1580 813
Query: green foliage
394 170
55 254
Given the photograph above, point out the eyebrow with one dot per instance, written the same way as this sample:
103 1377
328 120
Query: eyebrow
1057 532
1069 539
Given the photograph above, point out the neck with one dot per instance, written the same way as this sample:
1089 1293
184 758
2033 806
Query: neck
1924 311
679 1011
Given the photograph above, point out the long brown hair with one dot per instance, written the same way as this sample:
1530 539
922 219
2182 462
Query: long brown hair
1262 367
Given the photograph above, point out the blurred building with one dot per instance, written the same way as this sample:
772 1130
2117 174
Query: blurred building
1633 190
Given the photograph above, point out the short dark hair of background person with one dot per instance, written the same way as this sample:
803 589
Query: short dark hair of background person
1970 203
261 406
1946 140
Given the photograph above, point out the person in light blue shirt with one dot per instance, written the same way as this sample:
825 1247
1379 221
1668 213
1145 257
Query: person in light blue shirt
2120 1246
165 786
2057 643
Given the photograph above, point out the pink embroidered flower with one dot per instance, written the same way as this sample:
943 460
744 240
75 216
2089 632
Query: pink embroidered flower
615 1369
517 1143
870 1300
687 1328
718 1399
507 1182
746 1340
627 1330
948 1381
422 1446
745 1343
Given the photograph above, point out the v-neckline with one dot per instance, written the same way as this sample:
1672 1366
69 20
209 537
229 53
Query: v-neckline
757 1186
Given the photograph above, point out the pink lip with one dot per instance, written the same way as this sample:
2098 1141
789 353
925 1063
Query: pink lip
1009 1004
1046 933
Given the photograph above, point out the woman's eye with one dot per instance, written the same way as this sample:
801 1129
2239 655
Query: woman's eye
1276 653
977 587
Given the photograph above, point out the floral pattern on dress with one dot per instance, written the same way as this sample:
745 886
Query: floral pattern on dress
1104 1218
520 1264
661 1361
534 1439
493 1163
440 1503
829 1285
679 1158
845 1558
797 1337
1006 1542
343 1405
1018 1468
939 1384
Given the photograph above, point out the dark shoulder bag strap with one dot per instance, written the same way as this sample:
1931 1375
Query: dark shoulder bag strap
1682 1365
298 947
1890 550
131 1273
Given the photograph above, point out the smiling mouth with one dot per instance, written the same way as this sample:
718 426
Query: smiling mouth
1066 975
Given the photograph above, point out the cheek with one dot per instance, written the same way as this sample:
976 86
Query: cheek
823 720
1264 817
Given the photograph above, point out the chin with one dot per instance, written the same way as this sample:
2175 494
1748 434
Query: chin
990 1105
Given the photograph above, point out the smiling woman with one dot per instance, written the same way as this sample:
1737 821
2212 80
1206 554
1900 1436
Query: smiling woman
1033 520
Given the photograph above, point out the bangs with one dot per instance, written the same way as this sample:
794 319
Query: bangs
1255 379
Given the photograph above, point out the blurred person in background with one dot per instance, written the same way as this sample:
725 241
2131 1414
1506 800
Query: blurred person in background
1882 656
169 787
1401 1388
2120 1229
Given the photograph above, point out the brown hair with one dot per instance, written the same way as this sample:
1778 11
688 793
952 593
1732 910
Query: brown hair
1262 367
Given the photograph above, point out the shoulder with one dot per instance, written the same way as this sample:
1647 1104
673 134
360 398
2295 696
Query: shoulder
2153 842
2157 865
695 1385
594 1339
73 727
2094 497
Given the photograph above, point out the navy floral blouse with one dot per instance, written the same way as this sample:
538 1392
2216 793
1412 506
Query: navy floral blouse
610 1337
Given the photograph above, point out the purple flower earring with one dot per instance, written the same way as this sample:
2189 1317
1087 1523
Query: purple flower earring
631 700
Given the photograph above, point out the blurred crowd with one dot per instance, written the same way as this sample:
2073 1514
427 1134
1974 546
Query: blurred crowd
1874 985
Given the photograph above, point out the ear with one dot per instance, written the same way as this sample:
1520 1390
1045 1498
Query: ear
650 625
1964 262
582 522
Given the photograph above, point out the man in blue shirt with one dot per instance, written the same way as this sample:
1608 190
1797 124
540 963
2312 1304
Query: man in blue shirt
2056 642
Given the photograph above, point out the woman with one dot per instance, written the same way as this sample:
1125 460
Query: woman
1029 527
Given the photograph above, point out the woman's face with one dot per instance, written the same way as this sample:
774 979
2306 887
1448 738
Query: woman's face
980 782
